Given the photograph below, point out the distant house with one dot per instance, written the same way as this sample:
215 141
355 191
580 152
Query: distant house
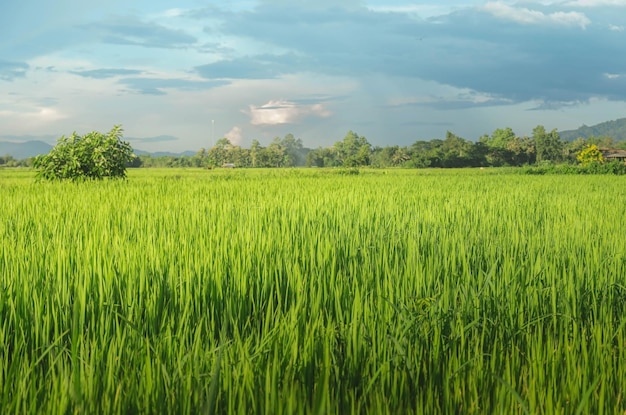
614 155
228 166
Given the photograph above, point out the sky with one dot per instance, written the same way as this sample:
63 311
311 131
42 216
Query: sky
180 75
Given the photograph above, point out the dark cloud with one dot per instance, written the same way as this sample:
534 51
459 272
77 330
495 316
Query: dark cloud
204 13
429 123
11 70
214 47
511 54
156 86
105 73
132 31
523 62
45 36
333 40
318 99
464 101
252 67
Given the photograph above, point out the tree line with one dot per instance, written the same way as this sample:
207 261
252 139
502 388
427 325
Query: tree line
500 148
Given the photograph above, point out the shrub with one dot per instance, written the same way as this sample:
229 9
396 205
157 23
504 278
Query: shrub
92 156
590 154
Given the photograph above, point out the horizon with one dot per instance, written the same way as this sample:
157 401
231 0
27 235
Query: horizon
394 72
181 152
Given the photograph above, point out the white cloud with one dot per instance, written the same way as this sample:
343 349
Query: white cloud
174 12
284 112
596 3
35 118
529 16
234 136
616 28
422 10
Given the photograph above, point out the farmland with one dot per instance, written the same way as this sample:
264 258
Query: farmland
313 291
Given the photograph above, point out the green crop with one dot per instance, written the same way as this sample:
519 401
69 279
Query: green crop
307 291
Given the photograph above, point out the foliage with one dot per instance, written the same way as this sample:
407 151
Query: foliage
297 291
548 146
610 168
92 156
501 148
590 154
7 161
353 150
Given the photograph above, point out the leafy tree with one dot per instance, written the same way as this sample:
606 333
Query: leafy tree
400 156
293 150
276 154
498 147
315 158
255 149
499 138
574 147
92 156
590 154
8 161
239 156
218 154
601 141
353 151
549 146
382 156
456 151
200 158
421 154
522 151
322 157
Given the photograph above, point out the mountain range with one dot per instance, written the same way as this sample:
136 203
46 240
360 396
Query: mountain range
34 148
615 129
24 150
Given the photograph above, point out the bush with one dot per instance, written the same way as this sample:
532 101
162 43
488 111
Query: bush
613 167
589 155
92 156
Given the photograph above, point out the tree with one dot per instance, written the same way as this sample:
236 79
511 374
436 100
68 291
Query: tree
322 157
255 149
293 151
421 154
218 154
92 156
353 151
590 154
382 156
200 158
547 145
8 161
276 154
498 145
456 151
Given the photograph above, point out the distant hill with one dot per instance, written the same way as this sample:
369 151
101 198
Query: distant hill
27 149
24 150
615 129
163 153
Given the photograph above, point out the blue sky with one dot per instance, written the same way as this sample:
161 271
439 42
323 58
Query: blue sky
179 75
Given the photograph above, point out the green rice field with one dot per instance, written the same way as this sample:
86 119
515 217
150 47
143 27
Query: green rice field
313 291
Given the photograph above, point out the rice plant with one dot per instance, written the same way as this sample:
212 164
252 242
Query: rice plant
307 291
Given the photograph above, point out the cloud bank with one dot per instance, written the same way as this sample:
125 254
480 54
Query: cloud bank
284 112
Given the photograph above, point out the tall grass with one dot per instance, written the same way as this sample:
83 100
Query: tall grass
305 291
